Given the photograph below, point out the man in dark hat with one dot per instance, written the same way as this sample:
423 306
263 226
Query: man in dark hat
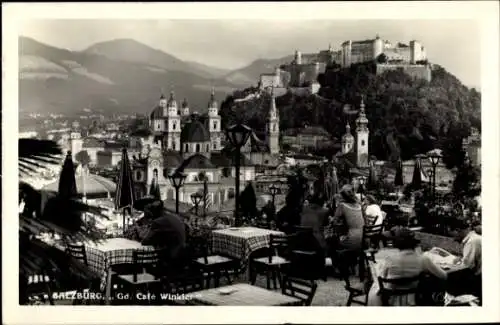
167 230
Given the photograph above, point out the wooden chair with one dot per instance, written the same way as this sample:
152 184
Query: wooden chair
271 264
213 266
141 280
403 288
372 235
301 289
77 251
346 260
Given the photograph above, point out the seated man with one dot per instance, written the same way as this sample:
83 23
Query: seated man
471 256
167 231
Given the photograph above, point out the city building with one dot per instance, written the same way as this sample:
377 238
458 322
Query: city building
308 137
472 147
193 144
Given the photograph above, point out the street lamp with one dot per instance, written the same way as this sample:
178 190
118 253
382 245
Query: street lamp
434 157
273 190
362 181
237 135
196 199
177 180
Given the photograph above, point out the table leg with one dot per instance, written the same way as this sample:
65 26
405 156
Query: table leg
108 286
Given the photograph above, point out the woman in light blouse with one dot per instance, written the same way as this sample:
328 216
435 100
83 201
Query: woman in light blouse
405 262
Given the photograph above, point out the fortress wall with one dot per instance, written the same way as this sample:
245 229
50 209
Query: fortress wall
416 71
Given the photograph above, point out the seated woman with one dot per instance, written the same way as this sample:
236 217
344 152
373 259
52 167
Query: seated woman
345 230
373 213
406 262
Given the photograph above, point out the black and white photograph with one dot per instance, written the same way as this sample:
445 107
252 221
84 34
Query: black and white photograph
275 160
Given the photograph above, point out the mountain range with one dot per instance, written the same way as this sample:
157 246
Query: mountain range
121 75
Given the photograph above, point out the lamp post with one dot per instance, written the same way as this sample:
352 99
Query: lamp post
177 180
237 135
434 157
196 199
273 190
362 181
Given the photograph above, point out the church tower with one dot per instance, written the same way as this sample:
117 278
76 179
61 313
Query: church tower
173 139
362 134
214 123
273 127
347 140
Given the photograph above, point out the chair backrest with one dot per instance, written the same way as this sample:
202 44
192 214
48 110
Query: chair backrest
370 232
198 247
298 288
401 287
143 260
77 251
278 245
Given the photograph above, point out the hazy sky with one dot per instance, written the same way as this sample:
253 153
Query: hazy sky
454 44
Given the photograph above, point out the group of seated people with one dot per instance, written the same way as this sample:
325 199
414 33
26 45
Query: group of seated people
335 229
341 228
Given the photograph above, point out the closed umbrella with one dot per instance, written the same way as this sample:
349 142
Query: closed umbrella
398 179
125 195
154 189
417 179
372 176
331 186
66 187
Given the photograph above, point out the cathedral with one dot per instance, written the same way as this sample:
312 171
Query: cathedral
194 144
178 130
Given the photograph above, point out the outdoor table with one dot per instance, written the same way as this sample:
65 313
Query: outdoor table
241 242
106 253
242 294
431 286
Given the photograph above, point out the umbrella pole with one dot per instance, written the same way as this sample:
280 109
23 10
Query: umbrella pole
124 219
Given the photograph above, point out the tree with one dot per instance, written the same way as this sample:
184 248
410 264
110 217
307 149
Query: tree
467 182
382 58
83 158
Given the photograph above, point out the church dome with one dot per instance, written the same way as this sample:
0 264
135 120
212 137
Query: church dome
347 136
157 113
195 132
171 101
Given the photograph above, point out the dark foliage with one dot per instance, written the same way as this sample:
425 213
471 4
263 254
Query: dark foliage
407 116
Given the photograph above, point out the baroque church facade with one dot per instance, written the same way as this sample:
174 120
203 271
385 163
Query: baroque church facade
195 144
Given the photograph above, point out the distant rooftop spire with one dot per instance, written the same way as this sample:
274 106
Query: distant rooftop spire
362 105
185 103
172 96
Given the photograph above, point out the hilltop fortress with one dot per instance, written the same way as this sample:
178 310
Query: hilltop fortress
300 75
